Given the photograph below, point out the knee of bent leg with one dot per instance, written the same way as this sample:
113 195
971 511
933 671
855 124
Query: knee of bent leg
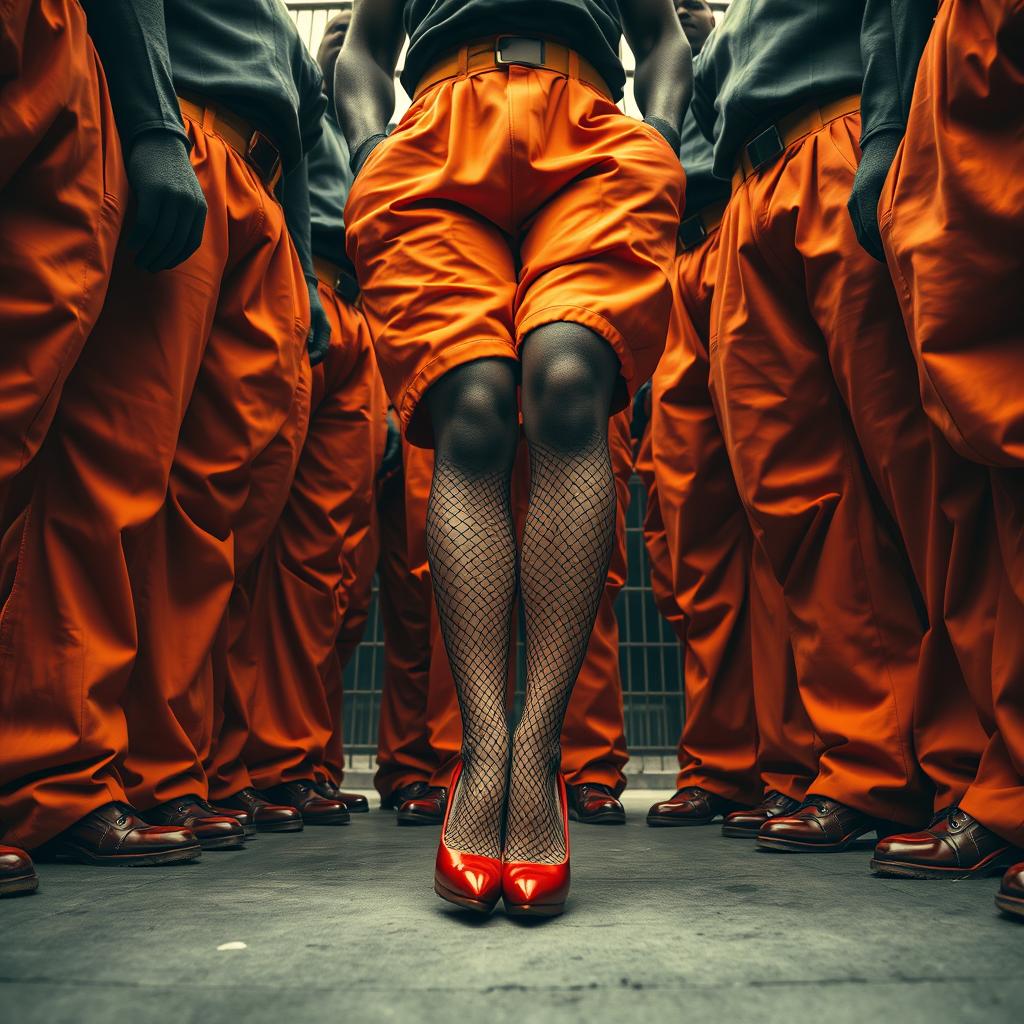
476 423
567 408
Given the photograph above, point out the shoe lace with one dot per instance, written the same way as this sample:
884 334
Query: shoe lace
595 787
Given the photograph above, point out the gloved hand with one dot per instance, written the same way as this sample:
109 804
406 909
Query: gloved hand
665 130
319 338
392 461
170 206
874 167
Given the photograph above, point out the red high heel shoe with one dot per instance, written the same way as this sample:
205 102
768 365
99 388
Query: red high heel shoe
538 890
468 880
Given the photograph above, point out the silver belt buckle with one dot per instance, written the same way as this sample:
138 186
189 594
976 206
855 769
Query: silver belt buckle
520 50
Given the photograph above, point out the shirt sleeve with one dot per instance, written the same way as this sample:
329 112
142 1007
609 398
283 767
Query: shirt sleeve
312 102
893 37
131 39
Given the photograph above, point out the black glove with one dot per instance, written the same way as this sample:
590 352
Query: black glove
392 460
666 131
170 206
874 167
363 150
319 338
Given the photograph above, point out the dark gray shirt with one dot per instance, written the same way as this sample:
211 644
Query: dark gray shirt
438 27
697 156
243 55
767 58
330 179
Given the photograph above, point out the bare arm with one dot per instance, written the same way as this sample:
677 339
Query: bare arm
664 75
364 76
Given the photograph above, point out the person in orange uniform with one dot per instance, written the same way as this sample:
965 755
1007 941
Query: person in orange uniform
835 462
940 195
593 742
62 181
317 563
125 551
707 537
492 285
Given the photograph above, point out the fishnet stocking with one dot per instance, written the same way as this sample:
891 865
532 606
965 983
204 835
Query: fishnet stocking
472 551
567 545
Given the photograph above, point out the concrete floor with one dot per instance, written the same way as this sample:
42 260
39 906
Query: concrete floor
341 925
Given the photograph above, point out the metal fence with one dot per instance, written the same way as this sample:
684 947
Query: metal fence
649 655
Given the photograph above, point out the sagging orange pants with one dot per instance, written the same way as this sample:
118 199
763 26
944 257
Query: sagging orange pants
814 384
127 550
283 662
745 730
655 538
593 741
465 242
952 222
62 197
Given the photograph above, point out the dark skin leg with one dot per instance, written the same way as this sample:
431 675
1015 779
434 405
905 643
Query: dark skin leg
472 551
569 376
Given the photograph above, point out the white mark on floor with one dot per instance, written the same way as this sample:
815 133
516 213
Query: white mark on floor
231 945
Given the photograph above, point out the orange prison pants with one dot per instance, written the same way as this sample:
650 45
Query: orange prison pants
952 221
284 660
127 544
62 196
729 685
656 539
593 741
798 323
505 200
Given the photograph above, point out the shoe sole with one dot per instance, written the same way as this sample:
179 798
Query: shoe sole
359 810
477 906
223 843
1010 904
736 832
23 885
604 818
656 822
907 869
132 860
534 909
412 818
281 826
794 846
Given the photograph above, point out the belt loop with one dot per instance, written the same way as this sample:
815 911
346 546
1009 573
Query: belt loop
574 65
209 119
464 60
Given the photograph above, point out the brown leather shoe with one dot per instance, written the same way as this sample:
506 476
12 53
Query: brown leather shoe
244 818
354 803
418 804
954 845
819 825
265 816
314 808
17 872
691 805
746 824
1010 898
593 803
214 831
115 834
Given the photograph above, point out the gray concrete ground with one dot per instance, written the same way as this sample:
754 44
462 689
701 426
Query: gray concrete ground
341 925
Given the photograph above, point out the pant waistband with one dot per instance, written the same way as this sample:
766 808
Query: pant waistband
694 230
340 279
502 51
765 148
257 149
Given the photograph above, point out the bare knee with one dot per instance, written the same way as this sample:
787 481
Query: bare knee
475 419
568 377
